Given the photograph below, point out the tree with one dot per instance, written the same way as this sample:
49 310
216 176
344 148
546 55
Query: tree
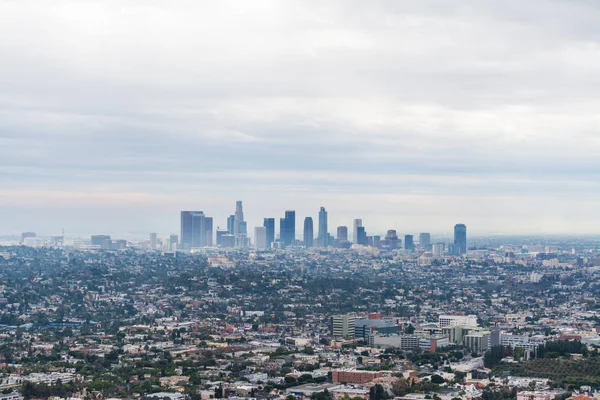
400 387
438 380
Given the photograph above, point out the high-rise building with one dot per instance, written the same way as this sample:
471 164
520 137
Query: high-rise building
287 228
460 239
361 236
342 233
438 249
323 234
220 234
103 241
260 237
153 240
342 326
208 231
269 223
26 235
230 224
357 224
239 227
409 243
196 230
424 240
308 232
173 241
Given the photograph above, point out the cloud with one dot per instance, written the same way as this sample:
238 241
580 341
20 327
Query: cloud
477 111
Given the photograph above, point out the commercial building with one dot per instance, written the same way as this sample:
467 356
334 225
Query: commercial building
409 243
308 232
260 237
323 234
477 341
363 327
357 224
342 326
103 241
196 230
425 240
465 321
269 223
460 239
354 376
287 228
153 240
342 233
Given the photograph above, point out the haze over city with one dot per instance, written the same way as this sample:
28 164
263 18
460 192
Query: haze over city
413 116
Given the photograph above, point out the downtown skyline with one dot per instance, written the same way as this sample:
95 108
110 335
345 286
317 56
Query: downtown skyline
403 114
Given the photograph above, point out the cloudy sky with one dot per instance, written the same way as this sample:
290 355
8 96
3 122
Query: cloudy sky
413 115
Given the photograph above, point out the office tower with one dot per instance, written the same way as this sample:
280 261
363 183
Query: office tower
220 234
119 244
308 231
228 240
103 241
438 249
260 237
323 235
357 224
408 243
208 231
173 241
342 233
196 229
153 240
376 240
287 228
26 235
424 240
460 239
361 236
230 224
342 326
239 226
269 223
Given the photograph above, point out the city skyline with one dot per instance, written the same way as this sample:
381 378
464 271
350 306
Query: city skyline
109 126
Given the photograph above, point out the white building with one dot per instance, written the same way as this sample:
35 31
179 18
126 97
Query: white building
464 321
260 237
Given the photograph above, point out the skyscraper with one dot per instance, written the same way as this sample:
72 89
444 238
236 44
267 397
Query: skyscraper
460 239
361 236
323 235
173 241
308 231
220 234
239 226
342 233
153 240
230 224
424 240
260 237
196 229
208 231
409 243
269 223
287 228
357 224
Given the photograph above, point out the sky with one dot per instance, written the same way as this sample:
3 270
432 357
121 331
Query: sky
412 115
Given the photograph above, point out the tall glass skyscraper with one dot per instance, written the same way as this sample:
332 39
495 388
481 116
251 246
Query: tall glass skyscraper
269 223
308 232
460 239
323 235
196 229
287 228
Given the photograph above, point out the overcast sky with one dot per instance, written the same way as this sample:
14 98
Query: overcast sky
412 115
